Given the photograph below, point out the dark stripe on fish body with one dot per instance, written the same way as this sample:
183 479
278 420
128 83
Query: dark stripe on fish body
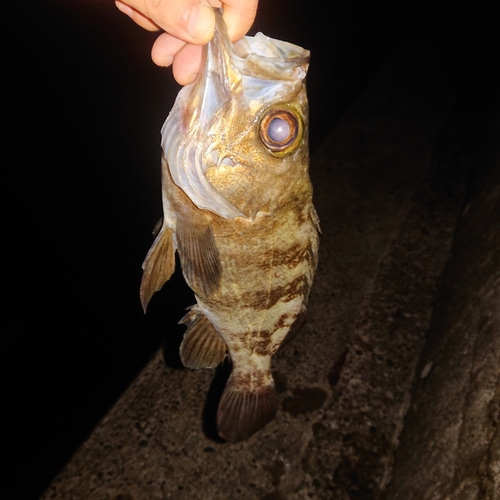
285 293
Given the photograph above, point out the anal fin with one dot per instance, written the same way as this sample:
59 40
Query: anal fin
158 266
199 256
242 412
202 346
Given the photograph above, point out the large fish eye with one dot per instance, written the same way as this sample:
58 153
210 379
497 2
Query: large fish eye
281 130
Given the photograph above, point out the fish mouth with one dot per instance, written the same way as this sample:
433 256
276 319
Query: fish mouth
255 69
215 158
226 161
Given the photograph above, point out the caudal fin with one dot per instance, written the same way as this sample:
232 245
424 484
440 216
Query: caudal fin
242 413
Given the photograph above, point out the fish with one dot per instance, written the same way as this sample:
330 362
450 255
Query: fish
238 210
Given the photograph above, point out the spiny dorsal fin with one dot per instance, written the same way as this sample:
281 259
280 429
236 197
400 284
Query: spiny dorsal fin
199 256
313 247
158 226
242 413
315 218
202 346
158 266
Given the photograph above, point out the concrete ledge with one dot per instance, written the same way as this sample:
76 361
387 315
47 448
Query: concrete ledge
450 445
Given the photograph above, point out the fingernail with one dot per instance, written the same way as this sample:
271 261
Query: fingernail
168 61
123 7
200 20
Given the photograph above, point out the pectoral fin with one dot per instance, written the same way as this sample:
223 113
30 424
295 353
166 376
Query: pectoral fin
158 266
199 256
202 346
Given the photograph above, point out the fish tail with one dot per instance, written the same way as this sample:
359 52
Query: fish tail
243 410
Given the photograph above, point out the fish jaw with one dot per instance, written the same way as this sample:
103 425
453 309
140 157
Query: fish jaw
206 129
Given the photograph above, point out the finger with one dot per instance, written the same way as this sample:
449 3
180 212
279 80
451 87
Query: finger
186 64
165 48
189 20
239 17
136 16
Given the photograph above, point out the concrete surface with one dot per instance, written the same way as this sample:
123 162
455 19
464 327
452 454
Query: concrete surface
450 444
390 184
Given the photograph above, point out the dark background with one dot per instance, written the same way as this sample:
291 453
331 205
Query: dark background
83 194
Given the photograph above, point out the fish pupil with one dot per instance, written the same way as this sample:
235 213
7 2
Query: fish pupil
279 130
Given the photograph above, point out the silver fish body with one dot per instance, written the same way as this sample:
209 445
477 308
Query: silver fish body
238 210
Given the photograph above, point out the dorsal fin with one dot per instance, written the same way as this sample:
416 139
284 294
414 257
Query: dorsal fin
199 256
158 266
315 218
158 226
202 346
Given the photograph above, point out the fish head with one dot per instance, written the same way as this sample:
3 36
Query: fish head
236 140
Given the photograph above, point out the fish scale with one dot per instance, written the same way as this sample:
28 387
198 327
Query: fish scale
238 209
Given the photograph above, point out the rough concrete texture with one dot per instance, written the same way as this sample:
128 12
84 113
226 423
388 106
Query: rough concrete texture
450 445
389 195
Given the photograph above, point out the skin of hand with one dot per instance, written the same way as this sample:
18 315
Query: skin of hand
188 24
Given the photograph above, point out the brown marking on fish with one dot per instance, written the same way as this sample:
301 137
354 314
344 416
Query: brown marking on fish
281 321
259 342
300 214
289 257
255 381
281 293
297 324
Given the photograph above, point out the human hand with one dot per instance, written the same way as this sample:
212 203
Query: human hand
188 24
